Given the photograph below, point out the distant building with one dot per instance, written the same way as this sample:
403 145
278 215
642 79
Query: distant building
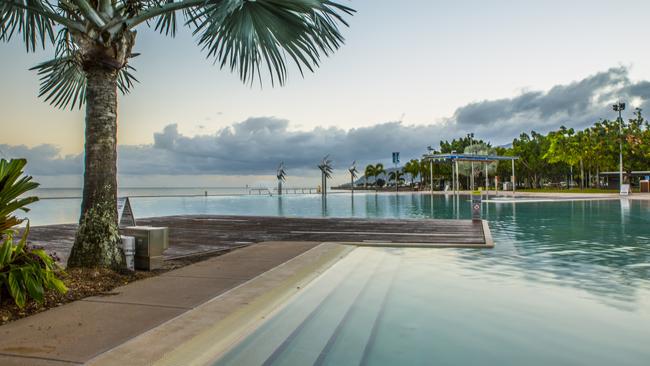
612 178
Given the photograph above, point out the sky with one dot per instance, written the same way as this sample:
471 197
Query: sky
409 75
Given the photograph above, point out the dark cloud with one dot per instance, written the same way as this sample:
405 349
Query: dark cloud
577 104
256 145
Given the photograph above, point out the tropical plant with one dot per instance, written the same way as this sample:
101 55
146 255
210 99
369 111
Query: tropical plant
396 176
13 185
412 167
379 169
24 271
93 43
368 172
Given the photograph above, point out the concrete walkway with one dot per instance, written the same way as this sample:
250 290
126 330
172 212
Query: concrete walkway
79 331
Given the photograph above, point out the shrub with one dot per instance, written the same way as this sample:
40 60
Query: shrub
24 271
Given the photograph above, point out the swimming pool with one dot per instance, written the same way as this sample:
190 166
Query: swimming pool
568 283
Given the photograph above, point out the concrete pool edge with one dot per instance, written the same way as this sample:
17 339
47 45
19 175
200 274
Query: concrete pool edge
218 324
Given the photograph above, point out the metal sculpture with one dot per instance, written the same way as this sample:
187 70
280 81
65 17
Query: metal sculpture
325 167
281 175
353 174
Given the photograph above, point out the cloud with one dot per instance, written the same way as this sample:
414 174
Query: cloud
256 145
44 159
577 104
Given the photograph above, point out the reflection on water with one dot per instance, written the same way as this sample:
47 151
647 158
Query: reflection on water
601 247
415 306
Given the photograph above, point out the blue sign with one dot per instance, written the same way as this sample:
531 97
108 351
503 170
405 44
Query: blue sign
396 158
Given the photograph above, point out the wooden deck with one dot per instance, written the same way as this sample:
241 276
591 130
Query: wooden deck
197 234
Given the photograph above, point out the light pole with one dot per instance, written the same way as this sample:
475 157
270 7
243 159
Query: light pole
620 107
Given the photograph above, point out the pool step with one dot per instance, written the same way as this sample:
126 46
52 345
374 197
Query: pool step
354 336
264 344
305 345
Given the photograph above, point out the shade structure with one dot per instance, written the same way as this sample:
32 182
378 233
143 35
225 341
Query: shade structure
454 158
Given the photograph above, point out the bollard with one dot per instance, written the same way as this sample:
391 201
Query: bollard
476 206
128 246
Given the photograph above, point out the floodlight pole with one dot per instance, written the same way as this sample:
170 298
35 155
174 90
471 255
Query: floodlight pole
619 107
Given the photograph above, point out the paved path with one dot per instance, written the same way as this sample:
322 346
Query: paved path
76 332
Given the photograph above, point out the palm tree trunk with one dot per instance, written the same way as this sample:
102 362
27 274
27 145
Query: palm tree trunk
97 240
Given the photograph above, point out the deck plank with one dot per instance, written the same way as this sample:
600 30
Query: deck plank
191 234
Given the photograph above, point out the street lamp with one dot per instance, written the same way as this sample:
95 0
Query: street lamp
620 107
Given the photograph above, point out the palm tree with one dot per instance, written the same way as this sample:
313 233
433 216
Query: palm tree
379 169
397 176
93 43
369 172
413 168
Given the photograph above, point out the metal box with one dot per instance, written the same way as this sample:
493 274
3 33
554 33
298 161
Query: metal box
150 243
644 186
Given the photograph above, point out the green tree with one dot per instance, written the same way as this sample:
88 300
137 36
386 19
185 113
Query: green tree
396 176
379 170
531 150
459 145
369 172
413 168
563 148
94 40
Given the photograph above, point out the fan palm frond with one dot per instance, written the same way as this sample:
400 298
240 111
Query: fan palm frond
30 18
63 81
244 35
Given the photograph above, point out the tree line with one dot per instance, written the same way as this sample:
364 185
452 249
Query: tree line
565 157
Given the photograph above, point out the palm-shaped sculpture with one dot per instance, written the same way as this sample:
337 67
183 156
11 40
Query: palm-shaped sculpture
94 40
281 174
326 170
353 174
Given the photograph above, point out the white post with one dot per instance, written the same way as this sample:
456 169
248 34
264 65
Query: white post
487 182
514 183
471 176
431 174
453 178
457 182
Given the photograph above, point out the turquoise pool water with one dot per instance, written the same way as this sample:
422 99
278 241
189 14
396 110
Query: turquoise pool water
567 284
